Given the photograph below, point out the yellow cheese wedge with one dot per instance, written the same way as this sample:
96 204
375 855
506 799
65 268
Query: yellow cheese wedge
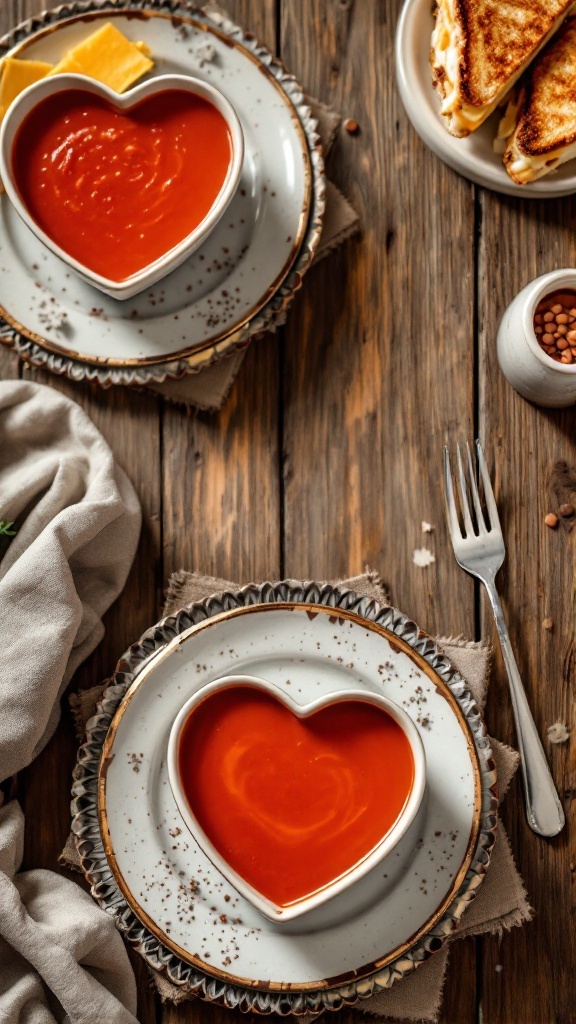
106 55
109 57
17 75
67 66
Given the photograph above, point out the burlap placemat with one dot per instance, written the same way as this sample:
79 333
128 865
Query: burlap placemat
501 902
208 389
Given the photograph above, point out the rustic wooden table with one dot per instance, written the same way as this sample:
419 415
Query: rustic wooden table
327 457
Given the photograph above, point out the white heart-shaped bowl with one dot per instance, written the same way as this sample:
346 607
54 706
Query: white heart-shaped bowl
388 845
141 280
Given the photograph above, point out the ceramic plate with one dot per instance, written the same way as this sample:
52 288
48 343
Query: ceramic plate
146 868
214 301
473 157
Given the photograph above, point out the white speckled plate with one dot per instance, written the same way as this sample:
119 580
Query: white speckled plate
309 650
210 303
474 156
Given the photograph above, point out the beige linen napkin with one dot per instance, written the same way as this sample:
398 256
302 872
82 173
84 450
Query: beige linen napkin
70 526
209 388
501 902
56 945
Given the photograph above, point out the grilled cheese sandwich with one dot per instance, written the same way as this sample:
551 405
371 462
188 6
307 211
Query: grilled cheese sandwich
540 132
479 50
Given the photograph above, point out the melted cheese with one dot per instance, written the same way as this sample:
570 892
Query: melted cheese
507 124
462 117
523 169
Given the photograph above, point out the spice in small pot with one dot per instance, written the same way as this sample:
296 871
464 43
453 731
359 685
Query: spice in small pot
555 326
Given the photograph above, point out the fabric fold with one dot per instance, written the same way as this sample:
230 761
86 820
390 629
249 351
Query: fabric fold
56 946
76 520
73 521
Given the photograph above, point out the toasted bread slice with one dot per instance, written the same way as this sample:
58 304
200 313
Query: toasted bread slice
542 134
481 47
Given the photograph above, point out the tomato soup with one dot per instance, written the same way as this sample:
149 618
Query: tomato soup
118 189
292 804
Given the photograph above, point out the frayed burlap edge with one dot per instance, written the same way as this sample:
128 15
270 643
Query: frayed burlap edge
418 997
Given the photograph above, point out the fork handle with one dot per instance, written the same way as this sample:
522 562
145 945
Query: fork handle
543 808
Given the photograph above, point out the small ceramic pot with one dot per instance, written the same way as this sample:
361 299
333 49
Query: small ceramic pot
173 257
530 371
364 881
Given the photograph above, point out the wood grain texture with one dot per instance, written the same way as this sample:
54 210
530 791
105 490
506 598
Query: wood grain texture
379 366
197 1012
538 580
221 509
327 457
379 352
221 471
9 364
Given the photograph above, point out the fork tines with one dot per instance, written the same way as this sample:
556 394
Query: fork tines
482 522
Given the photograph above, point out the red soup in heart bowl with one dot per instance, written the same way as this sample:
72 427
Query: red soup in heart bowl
295 803
123 188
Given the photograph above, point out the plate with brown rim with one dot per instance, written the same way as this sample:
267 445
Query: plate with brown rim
146 869
240 280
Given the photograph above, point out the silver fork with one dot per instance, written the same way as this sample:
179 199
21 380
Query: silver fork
480 551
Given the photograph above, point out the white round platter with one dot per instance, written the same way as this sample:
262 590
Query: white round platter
474 156
144 865
240 280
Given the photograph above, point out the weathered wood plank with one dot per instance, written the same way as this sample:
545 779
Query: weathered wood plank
12 12
257 16
9 364
379 349
537 983
220 479
197 1012
379 353
221 472
378 370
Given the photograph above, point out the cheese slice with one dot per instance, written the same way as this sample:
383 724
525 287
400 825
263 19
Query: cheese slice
109 57
67 66
106 55
17 75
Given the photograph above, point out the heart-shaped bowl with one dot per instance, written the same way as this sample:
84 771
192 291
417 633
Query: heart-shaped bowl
357 883
176 253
